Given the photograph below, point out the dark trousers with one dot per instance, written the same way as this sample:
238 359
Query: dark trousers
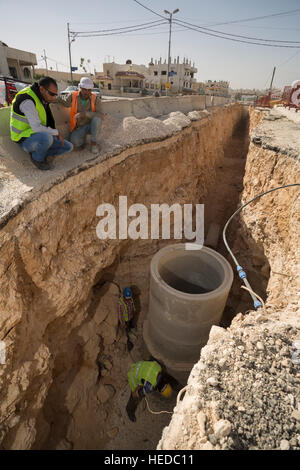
132 406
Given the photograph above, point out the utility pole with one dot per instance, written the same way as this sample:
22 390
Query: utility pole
69 42
170 33
272 79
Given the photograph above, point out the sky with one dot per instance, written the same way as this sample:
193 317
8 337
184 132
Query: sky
37 26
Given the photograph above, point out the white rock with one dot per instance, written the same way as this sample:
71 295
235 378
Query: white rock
207 446
201 418
194 115
216 333
284 445
260 346
212 381
296 415
222 363
222 428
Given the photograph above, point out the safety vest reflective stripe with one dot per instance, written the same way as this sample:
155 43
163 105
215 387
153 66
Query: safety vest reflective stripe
18 117
74 107
134 382
14 129
125 311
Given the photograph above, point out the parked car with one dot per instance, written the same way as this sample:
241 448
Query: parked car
69 89
9 87
97 92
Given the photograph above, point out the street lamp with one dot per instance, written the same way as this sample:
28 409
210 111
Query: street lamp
170 32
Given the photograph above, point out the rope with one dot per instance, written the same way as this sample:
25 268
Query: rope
184 389
157 412
259 298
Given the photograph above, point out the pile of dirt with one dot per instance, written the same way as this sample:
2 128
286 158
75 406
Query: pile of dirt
244 393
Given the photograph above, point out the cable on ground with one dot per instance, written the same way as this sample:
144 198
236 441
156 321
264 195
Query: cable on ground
240 270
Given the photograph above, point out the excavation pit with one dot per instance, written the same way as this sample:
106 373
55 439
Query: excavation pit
64 384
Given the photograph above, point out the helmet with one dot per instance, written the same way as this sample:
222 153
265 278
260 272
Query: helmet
87 83
127 292
166 391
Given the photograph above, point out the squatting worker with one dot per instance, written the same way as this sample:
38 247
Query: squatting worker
32 123
126 309
144 377
83 120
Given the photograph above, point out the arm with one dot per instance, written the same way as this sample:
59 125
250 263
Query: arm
64 100
27 107
91 114
144 390
98 105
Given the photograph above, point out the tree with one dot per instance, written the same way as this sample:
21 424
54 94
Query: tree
84 64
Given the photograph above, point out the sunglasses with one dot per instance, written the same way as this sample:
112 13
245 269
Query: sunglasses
51 92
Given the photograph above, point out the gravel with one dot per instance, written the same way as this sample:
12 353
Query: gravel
247 387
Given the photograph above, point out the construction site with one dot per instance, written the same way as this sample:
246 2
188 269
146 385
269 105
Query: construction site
64 362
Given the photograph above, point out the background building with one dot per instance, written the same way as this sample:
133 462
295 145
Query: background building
215 88
133 78
16 63
62 76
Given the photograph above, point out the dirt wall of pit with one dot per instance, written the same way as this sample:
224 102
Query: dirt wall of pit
55 320
244 391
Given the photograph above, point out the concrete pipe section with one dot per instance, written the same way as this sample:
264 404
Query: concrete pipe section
188 293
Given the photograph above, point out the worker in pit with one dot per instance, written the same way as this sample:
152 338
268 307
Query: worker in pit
126 309
32 124
83 119
144 377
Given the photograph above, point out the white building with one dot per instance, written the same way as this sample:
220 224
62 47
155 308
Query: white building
181 75
16 63
132 78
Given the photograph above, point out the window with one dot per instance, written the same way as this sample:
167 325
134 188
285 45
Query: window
155 72
13 72
26 72
164 72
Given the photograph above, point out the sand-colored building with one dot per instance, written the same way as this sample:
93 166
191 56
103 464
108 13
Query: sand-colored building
133 78
16 63
63 76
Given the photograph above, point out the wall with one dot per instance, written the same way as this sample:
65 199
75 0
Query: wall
138 107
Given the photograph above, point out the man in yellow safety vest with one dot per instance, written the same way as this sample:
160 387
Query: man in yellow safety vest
32 124
144 377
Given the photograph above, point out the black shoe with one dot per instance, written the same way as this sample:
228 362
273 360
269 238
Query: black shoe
131 416
80 147
130 409
40 165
